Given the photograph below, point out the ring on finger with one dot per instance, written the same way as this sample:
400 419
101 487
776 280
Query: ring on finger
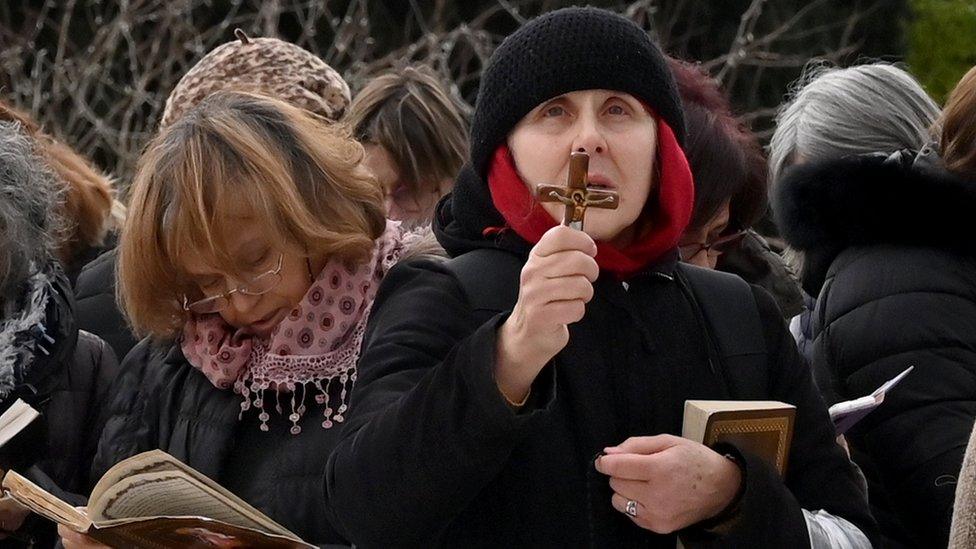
631 508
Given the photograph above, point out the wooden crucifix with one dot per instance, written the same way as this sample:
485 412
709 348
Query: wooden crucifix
575 196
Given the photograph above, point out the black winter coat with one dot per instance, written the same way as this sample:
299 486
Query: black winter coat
432 455
889 248
97 310
68 382
162 402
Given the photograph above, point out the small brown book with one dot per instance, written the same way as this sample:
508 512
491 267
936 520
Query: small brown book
763 428
154 500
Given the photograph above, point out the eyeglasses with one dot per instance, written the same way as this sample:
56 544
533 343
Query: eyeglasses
258 285
714 248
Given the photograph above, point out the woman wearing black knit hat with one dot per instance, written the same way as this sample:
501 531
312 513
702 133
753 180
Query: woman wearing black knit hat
488 383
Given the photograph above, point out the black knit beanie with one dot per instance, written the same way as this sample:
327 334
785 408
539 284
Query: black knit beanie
563 51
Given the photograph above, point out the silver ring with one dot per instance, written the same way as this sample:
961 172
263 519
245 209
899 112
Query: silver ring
631 508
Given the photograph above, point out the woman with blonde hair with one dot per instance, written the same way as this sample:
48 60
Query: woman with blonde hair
267 66
255 246
958 128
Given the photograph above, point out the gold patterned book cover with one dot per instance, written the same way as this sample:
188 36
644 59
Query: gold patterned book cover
763 428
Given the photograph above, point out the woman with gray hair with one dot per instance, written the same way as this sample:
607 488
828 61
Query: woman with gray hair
887 248
44 359
837 112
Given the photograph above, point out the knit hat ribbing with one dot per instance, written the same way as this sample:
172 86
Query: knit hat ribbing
563 51
262 65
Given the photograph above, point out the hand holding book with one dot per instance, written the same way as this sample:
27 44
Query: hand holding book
12 516
76 540
674 481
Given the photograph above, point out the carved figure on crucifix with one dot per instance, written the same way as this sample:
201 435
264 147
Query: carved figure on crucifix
575 195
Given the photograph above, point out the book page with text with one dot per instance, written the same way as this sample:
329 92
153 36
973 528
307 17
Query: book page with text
165 494
158 461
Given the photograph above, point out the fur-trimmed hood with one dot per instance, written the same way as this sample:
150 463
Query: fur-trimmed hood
822 208
37 338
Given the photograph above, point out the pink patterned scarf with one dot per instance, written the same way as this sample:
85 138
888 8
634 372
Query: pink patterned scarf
315 346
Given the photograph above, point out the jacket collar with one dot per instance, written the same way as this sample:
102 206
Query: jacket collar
905 198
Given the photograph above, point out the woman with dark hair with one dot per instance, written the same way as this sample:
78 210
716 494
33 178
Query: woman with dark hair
45 359
528 392
729 169
416 139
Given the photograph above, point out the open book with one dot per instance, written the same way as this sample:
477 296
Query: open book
763 428
846 414
16 419
154 500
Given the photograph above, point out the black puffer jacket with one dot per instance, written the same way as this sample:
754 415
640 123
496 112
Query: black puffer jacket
889 249
98 311
162 402
66 377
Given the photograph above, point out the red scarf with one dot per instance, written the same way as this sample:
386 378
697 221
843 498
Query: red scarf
668 213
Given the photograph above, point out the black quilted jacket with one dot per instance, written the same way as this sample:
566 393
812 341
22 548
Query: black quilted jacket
890 251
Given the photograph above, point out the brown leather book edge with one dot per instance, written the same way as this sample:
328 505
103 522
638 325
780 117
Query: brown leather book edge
725 425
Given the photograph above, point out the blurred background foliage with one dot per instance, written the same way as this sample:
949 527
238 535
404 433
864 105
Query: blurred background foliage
941 43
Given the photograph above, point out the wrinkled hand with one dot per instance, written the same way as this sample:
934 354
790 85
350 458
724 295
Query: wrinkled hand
676 482
12 515
555 285
77 540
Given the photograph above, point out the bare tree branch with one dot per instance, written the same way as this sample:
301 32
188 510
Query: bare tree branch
97 72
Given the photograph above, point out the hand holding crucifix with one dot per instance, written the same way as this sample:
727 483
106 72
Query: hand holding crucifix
555 285
576 196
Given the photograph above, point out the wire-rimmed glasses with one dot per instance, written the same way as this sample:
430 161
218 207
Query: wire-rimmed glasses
714 248
259 285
